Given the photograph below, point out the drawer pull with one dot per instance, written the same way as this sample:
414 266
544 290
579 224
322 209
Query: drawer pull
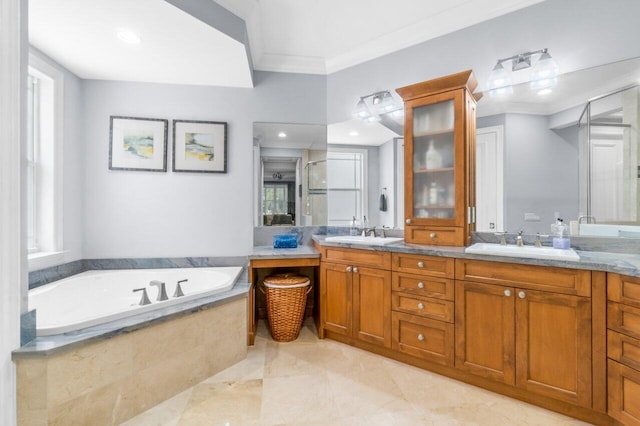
433 235
421 264
522 294
421 337
420 305
408 221
507 292
420 284
355 269
348 268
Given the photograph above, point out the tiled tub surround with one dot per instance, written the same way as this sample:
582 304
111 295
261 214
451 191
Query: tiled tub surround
109 372
111 380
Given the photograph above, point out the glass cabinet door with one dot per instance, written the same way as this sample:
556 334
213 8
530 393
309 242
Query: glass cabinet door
433 163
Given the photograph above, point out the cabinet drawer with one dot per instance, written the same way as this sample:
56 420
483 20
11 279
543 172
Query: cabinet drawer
423 338
377 259
437 236
623 289
439 288
434 266
624 349
624 319
441 310
623 393
545 278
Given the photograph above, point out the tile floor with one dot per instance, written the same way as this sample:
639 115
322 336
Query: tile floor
322 382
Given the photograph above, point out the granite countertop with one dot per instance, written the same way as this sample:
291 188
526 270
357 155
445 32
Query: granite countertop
621 263
268 252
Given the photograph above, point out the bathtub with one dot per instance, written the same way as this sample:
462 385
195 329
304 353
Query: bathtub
95 297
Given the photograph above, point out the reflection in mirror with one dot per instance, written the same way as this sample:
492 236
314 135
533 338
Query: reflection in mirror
540 147
289 174
365 175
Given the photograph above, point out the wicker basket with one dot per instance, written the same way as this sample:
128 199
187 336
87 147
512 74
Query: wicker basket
286 299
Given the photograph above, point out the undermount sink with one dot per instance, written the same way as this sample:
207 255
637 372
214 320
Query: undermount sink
525 251
357 239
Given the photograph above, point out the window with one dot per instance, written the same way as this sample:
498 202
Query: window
44 160
276 197
346 186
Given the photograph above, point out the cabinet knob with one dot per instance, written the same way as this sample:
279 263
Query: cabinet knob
420 284
522 294
355 269
348 268
421 337
507 292
433 235
408 221
420 305
421 264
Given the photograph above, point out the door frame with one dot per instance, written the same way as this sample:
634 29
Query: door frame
499 131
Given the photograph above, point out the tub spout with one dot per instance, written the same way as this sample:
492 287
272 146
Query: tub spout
162 291
144 300
178 292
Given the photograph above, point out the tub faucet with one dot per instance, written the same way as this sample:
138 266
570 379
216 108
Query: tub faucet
178 292
162 291
144 300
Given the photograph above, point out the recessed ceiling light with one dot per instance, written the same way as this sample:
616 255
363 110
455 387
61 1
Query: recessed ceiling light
282 135
353 133
127 36
544 92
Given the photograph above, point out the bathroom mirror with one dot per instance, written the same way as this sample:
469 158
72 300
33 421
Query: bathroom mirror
289 174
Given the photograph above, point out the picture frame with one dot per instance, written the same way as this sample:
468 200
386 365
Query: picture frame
138 143
199 146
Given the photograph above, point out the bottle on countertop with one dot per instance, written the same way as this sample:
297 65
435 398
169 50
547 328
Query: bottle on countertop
354 229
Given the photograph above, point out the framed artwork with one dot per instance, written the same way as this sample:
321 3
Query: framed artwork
138 144
199 146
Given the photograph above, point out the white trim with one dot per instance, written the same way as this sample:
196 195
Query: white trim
44 69
499 131
41 259
12 231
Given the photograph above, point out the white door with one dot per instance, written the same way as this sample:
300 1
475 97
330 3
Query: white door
489 179
606 180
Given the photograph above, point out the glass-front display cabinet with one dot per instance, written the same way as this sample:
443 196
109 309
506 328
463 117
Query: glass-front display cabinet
440 130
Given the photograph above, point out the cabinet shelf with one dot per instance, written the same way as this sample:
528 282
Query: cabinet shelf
440 170
439 207
432 133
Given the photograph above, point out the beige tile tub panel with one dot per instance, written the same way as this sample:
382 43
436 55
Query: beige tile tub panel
32 391
226 325
90 367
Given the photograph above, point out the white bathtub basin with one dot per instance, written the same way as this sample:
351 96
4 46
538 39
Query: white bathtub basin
357 239
525 251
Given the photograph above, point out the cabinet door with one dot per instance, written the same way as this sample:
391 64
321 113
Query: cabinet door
434 160
335 297
485 330
624 393
372 305
553 345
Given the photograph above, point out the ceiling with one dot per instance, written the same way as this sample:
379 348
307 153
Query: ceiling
195 42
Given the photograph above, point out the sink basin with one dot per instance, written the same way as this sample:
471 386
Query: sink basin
526 251
357 239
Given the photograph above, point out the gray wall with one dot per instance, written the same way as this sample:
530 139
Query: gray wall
151 214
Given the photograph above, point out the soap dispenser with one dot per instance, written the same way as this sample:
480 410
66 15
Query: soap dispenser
560 235
354 229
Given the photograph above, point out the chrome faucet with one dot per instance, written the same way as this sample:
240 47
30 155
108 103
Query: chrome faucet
538 239
144 300
370 231
178 292
162 291
519 241
503 237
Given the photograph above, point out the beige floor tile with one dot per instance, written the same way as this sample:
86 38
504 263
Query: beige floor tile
166 414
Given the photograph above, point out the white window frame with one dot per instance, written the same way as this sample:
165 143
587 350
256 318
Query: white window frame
364 187
49 184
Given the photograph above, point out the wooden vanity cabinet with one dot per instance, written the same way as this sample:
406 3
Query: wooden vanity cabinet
440 131
623 348
508 330
422 304
355 295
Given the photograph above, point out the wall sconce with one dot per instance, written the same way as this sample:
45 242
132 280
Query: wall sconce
371 107
544 73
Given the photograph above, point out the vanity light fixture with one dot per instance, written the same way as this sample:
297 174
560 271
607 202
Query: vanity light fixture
544 73
127 36
370 107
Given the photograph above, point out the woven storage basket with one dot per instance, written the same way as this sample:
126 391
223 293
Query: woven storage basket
286 299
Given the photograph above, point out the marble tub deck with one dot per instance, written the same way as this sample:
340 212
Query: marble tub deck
322 382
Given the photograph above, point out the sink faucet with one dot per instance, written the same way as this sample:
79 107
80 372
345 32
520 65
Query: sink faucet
144 300
519 241
162 291
503 237
538 239
370 231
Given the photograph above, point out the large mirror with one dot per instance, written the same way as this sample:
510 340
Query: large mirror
290 174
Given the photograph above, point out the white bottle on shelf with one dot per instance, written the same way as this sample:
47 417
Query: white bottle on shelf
433 159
